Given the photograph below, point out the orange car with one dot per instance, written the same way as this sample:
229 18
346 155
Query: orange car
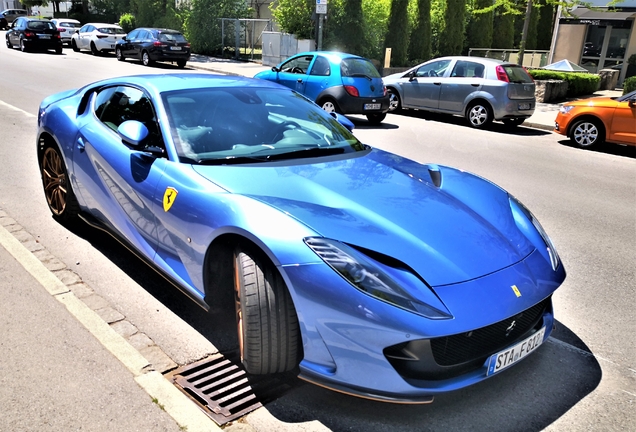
591 121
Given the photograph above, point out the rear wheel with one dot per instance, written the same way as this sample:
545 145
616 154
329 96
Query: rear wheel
376 118
9 44
94 49
145 59
181 63
119 54
74 46
329 105
58 50
57 189
395 104
587 133
267 324
479 115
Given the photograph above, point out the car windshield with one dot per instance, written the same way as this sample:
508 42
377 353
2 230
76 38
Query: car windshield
68 25
41 25
171 37
251 125
111 30
517 74
627 96
358 67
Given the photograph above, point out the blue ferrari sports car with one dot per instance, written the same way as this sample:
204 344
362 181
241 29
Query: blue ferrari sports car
359 270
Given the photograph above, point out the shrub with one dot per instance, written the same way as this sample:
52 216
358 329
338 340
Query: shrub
579 83
127 22
629 85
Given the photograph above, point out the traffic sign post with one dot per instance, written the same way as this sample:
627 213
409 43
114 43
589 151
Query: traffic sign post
321 11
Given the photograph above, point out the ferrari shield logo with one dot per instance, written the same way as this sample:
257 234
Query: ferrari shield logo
168 198
514 287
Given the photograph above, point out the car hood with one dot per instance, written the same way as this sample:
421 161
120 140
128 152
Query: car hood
390 205
606 102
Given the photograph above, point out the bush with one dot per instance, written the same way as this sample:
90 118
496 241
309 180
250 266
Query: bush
579 83
629 85
127 22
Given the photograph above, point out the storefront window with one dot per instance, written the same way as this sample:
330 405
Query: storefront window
617 43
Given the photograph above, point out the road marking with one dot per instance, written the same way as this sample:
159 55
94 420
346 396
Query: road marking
177 405
14 108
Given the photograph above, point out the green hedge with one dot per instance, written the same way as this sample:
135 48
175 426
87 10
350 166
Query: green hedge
629 85
579 83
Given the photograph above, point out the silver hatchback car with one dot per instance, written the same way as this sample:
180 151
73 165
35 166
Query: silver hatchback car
480 89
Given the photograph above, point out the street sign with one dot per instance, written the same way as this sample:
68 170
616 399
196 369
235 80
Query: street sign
321 8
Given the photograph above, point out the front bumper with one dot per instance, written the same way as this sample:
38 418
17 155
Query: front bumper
354 343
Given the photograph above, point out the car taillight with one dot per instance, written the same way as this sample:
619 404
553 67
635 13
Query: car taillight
61 29
101 36
187 45
29 34
158 44
352 90
501 74
384 90
56 36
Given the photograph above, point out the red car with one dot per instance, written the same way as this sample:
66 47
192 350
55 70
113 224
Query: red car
589 122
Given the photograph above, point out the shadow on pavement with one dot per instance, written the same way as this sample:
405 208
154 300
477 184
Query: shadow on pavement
607 148
528 397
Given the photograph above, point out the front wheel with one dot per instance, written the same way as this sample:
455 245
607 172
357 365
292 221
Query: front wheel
57 188
479 115
587 133
23 46
119 55
376 119
267 324
395 104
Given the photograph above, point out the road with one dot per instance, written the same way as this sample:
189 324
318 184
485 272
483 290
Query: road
584 378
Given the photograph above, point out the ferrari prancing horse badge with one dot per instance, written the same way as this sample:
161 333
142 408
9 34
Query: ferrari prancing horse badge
168 198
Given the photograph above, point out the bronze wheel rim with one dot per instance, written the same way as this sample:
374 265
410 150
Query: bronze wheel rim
237 306
54 180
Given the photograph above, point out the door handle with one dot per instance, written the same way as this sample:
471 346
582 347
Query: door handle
438 83
80 144
475 85
300 80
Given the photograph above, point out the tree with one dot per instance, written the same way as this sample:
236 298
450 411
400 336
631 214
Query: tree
480 28
294 16
452 37
503 29
203 24
397 37
347 27
545 26
420 41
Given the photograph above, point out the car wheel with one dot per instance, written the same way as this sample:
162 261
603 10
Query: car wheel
587 133
395 104
376 118
23 46
181 63
74 46
58 50
267 324
329 105
119 55
145 59
9 44
513 122
479 115
57 188
94 49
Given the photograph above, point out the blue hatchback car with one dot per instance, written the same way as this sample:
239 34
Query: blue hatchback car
338 82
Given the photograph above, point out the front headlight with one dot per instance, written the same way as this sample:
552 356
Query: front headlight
517 207
564 109
367 277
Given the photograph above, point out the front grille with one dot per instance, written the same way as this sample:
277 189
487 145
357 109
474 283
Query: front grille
480 343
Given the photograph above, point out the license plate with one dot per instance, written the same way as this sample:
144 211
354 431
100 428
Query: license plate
372 106
524 106
44 36
175 48
512 355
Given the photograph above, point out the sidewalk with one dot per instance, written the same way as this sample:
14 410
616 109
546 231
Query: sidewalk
543 117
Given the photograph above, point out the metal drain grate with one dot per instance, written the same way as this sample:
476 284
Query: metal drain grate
225 391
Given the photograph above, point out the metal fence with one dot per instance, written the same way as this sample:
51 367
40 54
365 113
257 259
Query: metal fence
533 58
244 37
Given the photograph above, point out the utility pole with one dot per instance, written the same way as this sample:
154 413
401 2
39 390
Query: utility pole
524 35
321 11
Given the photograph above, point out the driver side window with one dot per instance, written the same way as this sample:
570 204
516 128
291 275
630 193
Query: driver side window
433 69
297 65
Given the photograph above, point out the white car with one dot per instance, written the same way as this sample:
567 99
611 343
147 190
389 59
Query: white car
66 27
97 37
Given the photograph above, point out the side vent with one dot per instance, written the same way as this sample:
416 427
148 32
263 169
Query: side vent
436 175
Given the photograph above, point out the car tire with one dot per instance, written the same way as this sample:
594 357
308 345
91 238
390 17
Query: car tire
23 46
395 104
376 119
56 183
9 44
58 50
587 133
74 46
145 59
513 122
119 55
94 49
479 115
181 63
267 324
329 105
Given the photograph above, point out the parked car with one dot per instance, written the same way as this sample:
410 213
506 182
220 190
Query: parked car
150 45
66 27
364 271
480 89
338 82
97 37
34 34
590 122
4 24
11 14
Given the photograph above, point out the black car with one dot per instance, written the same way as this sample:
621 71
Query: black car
3 22
150 45
33 34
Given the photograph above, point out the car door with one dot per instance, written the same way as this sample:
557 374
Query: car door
116 182
623 128
421 87
84 36
143 40
318 77
127 48
293 72
466 78
14 32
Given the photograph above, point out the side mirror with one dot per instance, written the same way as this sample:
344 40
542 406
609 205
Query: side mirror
411 75
123 38
343 121
132 132
632 102
275 69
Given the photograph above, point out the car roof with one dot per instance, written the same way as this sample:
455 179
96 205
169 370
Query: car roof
184 81
162 30
334 54
98 24
71 20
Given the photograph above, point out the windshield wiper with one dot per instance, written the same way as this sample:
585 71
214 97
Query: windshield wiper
295 154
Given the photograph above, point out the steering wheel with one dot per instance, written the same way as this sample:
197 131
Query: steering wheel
432 73
296 69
